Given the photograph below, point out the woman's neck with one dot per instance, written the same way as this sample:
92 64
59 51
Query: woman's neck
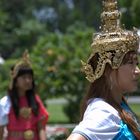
21 93
116 91
117 95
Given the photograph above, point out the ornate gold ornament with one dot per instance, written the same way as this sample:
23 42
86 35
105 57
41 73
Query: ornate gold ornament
24 62
25 112
28 135
112 43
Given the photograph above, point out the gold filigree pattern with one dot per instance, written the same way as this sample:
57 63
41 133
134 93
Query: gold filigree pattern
28 135
112 43
24 62
25 112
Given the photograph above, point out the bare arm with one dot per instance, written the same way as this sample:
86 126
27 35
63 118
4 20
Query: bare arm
76 137
1 132
42 134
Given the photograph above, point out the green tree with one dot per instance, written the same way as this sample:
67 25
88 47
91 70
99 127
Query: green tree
130 13
23 23
136 12
5 77
19 27
58 68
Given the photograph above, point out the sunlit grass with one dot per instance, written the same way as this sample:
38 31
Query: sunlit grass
136 108
56 114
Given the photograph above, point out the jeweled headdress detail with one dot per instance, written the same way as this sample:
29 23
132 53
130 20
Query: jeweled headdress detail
23 64
111 44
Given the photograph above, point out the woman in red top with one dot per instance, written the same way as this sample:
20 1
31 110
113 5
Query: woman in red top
26 116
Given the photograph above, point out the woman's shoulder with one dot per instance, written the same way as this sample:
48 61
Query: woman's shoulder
5 101
104 111
100 104
37 97
5 105
100 121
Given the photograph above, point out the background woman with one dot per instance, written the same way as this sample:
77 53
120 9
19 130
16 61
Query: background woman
22 111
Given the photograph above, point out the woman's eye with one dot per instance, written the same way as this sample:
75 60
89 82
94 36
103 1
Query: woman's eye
23 76
130 62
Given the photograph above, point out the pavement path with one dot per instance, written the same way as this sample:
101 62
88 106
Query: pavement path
134 99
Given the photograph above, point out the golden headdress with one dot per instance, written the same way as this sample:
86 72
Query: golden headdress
23 63
111 44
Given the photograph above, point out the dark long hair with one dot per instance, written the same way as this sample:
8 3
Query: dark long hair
30 94
100 88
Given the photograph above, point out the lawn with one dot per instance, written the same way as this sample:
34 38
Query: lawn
56 114
136 108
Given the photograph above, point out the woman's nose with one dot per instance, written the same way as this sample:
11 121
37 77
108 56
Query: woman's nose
28 80
137 70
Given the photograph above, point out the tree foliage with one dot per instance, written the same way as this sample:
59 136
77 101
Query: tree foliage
59 61
23 23
130 13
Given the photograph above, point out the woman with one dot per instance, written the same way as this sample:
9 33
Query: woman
22 112
112 70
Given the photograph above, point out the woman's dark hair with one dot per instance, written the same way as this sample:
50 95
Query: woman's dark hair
100 88
30 94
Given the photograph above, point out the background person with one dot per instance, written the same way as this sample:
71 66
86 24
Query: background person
22 112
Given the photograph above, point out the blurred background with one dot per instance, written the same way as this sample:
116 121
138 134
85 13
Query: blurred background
58 34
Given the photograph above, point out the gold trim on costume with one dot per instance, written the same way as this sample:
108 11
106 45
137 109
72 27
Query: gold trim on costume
25 112
28 135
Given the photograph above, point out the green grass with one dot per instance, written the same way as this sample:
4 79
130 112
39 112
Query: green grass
56 114
136 108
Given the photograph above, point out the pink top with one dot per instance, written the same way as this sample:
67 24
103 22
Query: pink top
27 123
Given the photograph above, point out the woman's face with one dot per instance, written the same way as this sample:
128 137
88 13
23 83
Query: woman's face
24 82
128 74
